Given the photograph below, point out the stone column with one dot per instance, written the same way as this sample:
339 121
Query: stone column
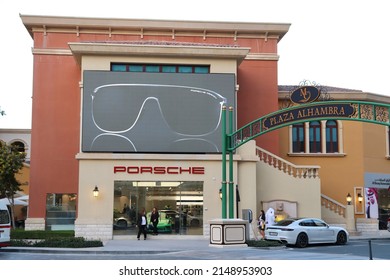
350 218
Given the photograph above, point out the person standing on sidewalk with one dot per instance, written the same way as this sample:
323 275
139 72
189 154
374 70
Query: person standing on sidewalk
142 222
261 224
154 220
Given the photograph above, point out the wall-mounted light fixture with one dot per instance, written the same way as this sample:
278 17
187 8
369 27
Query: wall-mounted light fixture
358 194
349 198
96 192
220 193
360 197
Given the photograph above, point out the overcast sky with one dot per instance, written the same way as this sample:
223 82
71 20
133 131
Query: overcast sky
338 43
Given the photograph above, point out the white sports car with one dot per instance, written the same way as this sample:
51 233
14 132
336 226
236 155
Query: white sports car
304 231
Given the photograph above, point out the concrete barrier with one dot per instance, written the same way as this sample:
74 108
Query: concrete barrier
228 232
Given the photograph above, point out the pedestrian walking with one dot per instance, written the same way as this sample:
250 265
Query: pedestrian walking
142 223
154 217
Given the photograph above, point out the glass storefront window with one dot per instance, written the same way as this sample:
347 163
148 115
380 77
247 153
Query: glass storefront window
60 211
383 207
180 205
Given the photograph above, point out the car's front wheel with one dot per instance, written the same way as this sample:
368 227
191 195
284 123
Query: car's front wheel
341 238
302 240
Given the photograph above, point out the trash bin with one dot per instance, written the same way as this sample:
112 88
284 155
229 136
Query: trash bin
247 215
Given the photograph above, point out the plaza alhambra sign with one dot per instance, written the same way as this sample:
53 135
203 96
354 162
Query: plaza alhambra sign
339 110
308 95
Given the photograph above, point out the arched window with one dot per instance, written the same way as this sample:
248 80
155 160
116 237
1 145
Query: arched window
20 146
315 137
332 143
298 138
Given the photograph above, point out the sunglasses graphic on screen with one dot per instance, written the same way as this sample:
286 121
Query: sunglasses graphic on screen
187 111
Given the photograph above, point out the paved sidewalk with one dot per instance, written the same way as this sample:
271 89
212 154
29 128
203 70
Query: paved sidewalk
130 245
166 243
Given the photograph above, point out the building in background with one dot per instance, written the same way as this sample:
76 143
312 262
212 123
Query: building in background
353 156
22 139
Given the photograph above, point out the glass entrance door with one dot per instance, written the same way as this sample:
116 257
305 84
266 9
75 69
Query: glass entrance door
180 205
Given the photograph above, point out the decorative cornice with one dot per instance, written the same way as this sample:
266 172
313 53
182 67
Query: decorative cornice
142 26
262 56
39 51
79 49
93 48
15 130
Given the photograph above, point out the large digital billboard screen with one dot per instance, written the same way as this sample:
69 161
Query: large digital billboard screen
154 112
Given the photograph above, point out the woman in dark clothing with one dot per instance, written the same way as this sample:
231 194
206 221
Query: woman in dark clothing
142 222
154 220
261 224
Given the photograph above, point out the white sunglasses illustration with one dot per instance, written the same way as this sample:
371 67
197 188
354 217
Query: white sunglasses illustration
187 111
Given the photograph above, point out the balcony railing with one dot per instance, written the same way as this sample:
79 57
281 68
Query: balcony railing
297 171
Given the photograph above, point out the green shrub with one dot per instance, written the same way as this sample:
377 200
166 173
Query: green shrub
69 242
58 242
22 243
263 243
40 234
56 239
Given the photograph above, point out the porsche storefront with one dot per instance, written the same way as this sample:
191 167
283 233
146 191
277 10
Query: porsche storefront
184 188
180 203
141 149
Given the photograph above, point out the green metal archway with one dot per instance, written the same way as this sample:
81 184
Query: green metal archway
371 112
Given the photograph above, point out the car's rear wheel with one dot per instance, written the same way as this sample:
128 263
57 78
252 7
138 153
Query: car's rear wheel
302 240
341 238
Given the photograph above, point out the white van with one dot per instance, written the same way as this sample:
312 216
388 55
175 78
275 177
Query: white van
5 225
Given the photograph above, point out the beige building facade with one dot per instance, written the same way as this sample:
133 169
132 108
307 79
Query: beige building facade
363 150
